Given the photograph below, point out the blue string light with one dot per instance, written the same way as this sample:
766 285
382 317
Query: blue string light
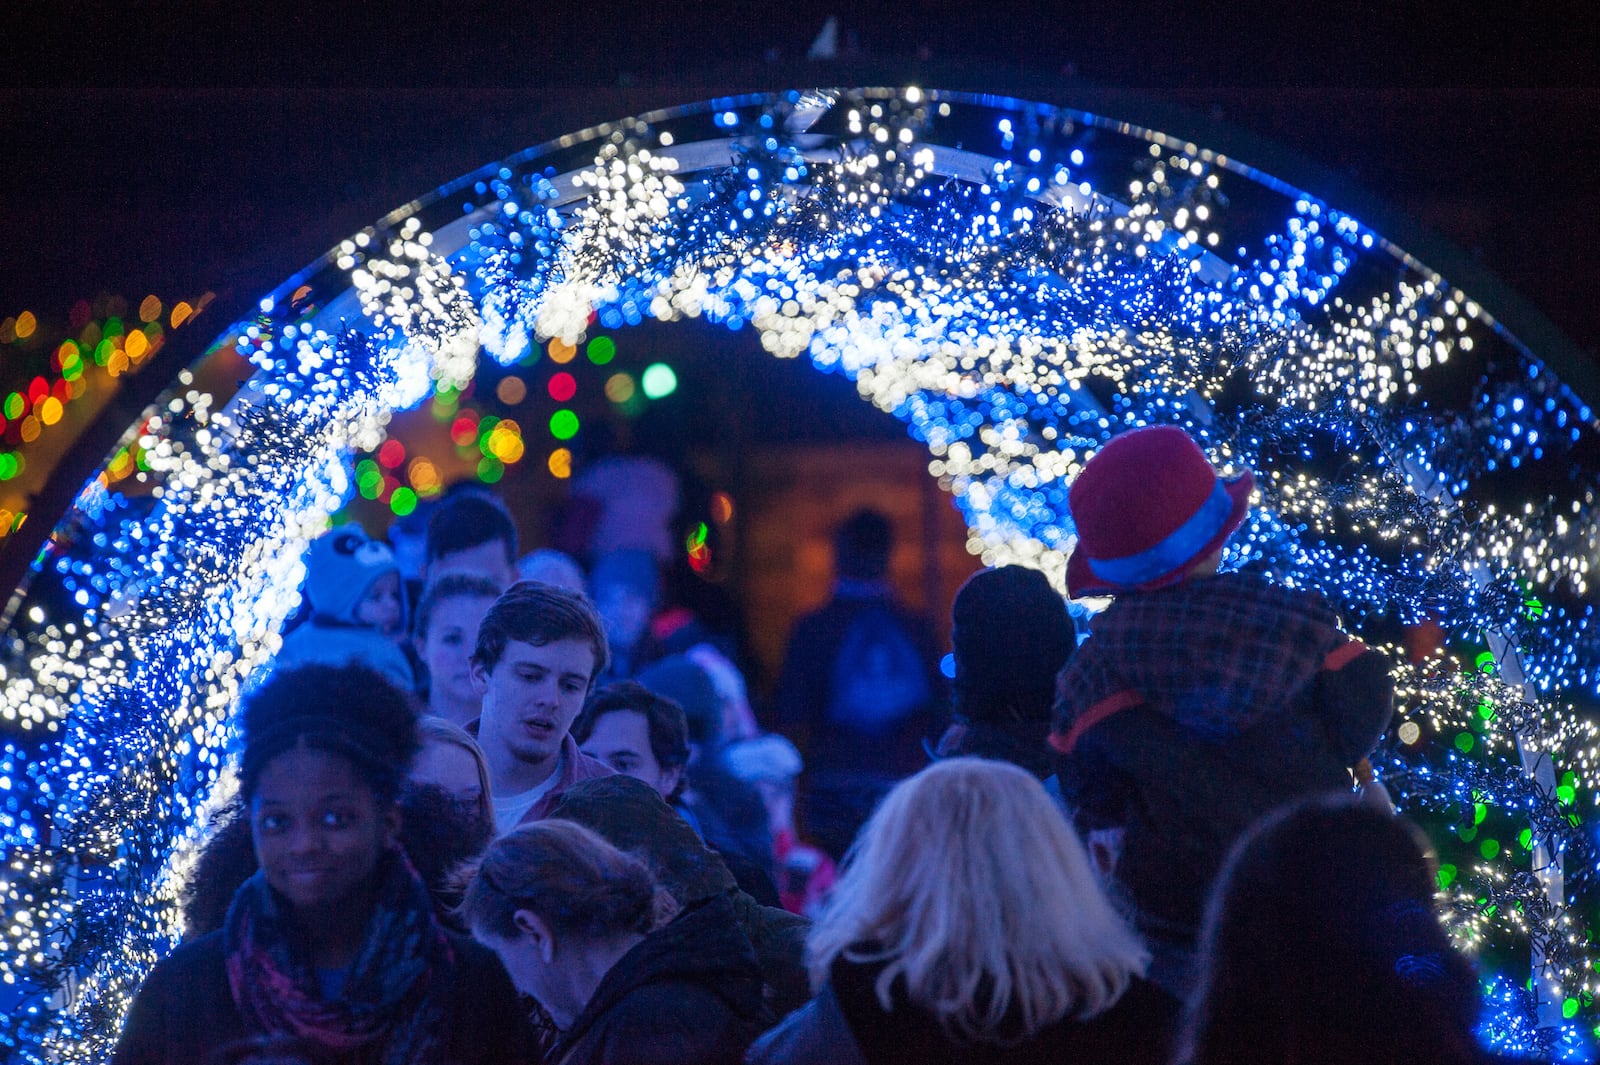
1011 312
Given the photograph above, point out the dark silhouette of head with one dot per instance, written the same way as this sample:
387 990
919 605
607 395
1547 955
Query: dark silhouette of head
474 529
1322 945
861 546
634 818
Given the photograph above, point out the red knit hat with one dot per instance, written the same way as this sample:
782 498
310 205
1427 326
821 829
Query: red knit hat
1148 506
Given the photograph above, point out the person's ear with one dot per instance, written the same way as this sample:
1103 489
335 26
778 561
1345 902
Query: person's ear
538 932
391 827
480 678
670 779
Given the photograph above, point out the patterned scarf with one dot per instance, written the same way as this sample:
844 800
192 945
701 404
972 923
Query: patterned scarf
384 1014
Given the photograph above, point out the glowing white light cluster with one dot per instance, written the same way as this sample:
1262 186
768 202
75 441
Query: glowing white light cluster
1012 317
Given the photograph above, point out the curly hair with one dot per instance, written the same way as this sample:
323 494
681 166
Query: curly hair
349 710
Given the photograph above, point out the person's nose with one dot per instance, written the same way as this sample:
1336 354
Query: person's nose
305 840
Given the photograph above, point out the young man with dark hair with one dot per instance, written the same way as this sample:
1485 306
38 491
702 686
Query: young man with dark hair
638 733
649 736
472 533
538 652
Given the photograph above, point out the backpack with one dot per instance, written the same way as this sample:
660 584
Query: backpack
878 674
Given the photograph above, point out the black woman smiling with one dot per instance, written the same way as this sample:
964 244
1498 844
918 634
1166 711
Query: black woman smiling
333 942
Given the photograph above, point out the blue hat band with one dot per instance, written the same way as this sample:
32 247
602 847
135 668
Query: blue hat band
1179 548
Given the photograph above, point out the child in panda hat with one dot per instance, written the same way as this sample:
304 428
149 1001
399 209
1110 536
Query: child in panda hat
358 607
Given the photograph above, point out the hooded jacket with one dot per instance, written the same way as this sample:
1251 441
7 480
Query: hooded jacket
688 994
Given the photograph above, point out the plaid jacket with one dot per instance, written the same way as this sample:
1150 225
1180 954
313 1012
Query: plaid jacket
1217 656
1194 710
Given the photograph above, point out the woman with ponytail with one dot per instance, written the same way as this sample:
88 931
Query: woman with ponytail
579 926
332 943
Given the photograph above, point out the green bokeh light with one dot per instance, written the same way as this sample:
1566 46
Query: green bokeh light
601 350
658 381
403 502
563 425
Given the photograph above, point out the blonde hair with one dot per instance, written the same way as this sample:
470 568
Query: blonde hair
432 729
969 882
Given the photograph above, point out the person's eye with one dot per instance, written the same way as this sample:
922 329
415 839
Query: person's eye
336 819
623 765
272 822
573 686
451 640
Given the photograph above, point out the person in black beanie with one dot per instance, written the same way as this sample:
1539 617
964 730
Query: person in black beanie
1011 636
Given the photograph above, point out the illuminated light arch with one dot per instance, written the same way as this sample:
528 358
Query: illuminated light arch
1015 282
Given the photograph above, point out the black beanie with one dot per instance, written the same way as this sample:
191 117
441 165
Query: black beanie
1011 636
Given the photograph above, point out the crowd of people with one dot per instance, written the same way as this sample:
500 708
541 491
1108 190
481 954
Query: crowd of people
520 823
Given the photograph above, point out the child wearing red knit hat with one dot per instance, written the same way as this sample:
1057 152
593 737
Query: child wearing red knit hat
1200 701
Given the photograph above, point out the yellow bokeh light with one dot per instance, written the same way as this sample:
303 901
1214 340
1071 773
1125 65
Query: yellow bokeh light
180 314
117 363
137 345
26 324
560 463
506 443
424 476
50 410
28 428
561 351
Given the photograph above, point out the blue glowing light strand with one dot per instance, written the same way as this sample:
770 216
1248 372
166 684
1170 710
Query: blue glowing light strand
217 571
1014 329
985 515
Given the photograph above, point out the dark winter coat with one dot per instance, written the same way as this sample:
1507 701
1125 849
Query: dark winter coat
806 687
1192 711
846 1025
184 1013
635 819
688 994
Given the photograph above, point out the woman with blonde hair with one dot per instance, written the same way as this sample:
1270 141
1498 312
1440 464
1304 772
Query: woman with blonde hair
448 815
451 759
967 926
578 926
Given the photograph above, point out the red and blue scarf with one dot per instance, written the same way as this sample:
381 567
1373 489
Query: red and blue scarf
387 1011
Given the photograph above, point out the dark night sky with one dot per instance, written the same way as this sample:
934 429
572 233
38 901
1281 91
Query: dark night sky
178 147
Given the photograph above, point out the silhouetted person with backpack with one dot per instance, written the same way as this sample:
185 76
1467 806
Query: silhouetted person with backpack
858 688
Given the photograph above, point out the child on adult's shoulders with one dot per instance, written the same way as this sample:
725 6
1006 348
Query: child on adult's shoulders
1201 700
